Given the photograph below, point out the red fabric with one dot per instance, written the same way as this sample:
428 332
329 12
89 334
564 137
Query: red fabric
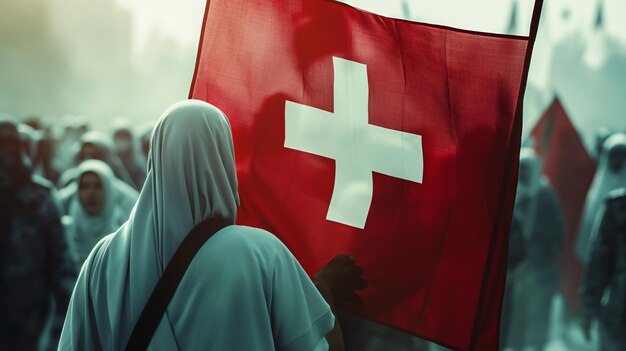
434 253
570 170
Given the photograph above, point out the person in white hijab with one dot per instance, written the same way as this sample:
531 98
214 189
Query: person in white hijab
243 290
610 175
541 223
126 194
95 211
96 145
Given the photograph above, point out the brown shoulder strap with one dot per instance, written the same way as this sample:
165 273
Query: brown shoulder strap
166 287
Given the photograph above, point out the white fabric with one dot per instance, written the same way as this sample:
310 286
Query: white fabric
604 181
242 291
86 230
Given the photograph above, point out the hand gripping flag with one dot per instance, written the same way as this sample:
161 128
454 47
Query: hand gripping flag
393 141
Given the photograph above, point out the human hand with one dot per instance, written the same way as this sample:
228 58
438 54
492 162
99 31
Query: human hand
341 277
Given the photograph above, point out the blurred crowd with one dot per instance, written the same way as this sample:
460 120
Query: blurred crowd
63 187
537 246
61 191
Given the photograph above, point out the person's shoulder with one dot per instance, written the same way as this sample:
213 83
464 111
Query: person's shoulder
249 239
100 256
250 234
616 197
103 258
39 186
245 230
42 183
238 249
125 189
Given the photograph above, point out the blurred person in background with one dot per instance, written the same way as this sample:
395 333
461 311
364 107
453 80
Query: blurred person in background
604 283
96 211
44 161
34 122
72 132
610 175
542 225
35 264
126 149
95 145
125 197
517 252
30 139
601 136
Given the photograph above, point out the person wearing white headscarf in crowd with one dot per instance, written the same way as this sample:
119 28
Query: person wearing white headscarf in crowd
243 290
95 145
126 195
610 175
538 211
95 211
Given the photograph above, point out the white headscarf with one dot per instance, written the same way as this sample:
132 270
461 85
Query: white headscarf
126 199
86 230
604 181
226 298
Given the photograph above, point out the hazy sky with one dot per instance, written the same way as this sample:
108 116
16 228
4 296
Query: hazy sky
182 18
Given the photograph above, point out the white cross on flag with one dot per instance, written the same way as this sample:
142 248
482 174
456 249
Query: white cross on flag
357 147
393 141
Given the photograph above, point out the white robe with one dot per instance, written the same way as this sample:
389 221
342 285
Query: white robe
603 183
242 291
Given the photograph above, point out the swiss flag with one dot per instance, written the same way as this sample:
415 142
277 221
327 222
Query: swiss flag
393 141
570 169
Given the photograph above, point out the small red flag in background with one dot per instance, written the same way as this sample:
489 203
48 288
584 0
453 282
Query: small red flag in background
393 141
570 169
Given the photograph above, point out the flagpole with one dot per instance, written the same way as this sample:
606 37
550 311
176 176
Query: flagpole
200 41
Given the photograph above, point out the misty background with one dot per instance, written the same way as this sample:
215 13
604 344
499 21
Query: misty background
106 58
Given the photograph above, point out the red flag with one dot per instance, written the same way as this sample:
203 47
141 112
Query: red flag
570 170
393 141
